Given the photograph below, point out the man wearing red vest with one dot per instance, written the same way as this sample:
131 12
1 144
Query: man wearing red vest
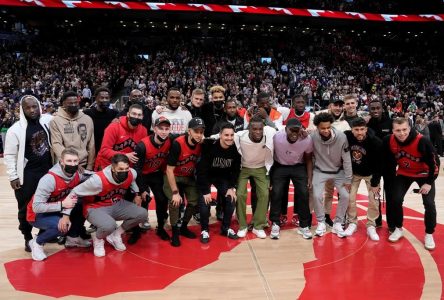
152 152
181 165
122 137
46 208
104 203
410 157
298 111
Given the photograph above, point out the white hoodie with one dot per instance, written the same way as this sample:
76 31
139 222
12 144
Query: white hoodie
14 147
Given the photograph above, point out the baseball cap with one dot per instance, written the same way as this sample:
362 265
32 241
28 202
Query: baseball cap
196 123
161 120
293 123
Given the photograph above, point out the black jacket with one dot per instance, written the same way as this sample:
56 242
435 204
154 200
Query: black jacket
238 124
381 127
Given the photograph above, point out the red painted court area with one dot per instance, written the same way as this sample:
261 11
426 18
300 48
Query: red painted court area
355 267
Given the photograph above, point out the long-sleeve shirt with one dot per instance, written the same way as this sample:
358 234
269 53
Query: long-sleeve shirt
217 163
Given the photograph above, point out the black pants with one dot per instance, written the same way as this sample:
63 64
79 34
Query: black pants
155 184
437 143
395 214
228 206
23 196
279 179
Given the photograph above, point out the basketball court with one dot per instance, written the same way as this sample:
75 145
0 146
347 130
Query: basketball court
250 268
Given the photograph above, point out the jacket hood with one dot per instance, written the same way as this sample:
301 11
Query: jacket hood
23 119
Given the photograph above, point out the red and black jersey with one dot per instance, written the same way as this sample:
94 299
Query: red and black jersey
61 190
186 162
409 159
155 157
304 118
111 193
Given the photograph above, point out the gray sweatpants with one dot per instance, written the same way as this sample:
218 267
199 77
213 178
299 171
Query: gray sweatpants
104 218
319 180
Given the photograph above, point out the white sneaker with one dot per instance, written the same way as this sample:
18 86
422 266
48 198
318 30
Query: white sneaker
242 232
145 226
429 243
338 230
396 235
305 232
275 230
260 233
37 252
99 246
77 242
115 239
372 234
352 228
321 229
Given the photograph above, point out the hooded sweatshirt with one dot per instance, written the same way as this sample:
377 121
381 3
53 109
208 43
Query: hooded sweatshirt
118 139
75 132
47 185
15 144
332 155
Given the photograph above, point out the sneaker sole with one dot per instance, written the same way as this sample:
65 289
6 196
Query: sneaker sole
274 237
394 241
76 246
430 249
112 243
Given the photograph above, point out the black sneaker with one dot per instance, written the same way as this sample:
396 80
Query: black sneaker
135 236
175 240
187 233
229 233
328 220
161 232
204 237
61 240
27 247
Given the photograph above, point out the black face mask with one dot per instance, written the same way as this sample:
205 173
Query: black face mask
72 109
161 139
104 105
120 176
70 169
134 121
219 104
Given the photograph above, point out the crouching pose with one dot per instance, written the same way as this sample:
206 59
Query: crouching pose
103 203
47 210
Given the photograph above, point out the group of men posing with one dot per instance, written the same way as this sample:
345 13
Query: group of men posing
203 144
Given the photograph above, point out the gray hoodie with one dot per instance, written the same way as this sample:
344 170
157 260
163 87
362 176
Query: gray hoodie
333 154
47 185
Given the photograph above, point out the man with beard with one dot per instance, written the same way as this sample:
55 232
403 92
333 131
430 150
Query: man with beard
381 124
256 148
365 151
27 157
152 152
410 157
218 166
122 137
136 97
292 161
101 115
178 117
271 116
65 131
181 165
332 162
230 116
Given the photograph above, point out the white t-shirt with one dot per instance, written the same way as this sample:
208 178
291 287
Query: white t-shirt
179 119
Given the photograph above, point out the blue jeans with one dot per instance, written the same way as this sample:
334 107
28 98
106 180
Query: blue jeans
49 222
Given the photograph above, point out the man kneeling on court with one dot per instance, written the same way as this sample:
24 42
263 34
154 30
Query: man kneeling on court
103 204
50 209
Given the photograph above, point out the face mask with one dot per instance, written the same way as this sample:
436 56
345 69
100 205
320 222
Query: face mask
70 169
161 139
121 176
104 105
218 104
134 121
72 109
